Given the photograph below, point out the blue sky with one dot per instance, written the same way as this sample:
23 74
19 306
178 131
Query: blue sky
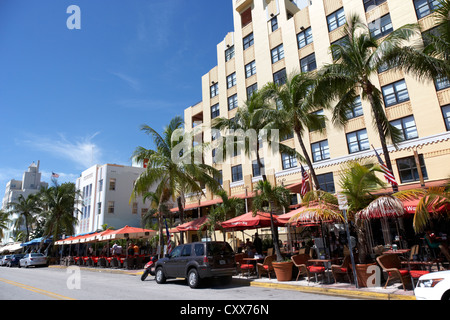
73 98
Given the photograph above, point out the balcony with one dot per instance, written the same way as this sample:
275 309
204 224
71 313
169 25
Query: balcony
242 4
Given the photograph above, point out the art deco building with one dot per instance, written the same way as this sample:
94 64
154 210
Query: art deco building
274 38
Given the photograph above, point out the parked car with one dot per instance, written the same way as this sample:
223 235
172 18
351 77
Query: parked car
5 260
33 259
433 286
14 260
197 261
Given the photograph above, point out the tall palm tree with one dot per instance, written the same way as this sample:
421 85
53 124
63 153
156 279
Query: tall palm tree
166 172
250 118
59 201
231 206
356 59
4 221
26 209
271 199
297 103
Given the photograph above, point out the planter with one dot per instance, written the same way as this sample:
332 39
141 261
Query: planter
283 270
361 273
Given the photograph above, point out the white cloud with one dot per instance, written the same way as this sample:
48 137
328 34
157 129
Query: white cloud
83 151
130 81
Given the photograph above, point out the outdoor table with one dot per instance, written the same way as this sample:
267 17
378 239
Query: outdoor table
398 251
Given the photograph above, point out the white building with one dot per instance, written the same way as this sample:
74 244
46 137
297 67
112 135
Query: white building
31 183
106 191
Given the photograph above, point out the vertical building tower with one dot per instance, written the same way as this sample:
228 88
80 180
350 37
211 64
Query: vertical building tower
30 184
275 38
105 192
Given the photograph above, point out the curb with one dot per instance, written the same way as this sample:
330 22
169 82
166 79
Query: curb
329 291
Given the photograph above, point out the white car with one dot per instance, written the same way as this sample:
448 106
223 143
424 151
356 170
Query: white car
433 286
33 259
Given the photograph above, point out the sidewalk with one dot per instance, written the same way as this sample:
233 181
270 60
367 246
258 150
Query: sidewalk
392 292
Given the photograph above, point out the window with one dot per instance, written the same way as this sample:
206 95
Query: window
215 111
236 173
256 169
407 169
110 206
232 102
250 69
369 4
199 249
248 41
446 113
425 7
219 177
326 182
287 136
274 23
358 141
214 89
277 53
442 83
319 113
246 17
308 63
407 126
320 151
279 77
231 80
229 53
99 207
356 109
381 27
186 250
304 38
251 89
395 93
288 161
112 184
336 19
135 208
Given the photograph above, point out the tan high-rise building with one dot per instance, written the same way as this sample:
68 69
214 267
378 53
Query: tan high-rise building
274 38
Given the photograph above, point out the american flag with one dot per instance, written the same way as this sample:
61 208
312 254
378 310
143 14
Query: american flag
169 243
55 175
305 178
387 173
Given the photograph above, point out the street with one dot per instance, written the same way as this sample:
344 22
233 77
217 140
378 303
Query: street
78 284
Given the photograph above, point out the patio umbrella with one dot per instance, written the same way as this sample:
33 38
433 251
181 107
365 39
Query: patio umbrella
127 233
193 225
382 207
248 221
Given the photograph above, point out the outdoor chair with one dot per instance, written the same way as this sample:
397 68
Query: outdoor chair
301 262
238 258
266 266
392 265
102 262
344 268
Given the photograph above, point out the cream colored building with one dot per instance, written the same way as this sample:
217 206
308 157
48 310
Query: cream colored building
274 38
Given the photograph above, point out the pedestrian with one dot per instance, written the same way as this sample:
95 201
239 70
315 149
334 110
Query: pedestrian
130 249
136 250
258 243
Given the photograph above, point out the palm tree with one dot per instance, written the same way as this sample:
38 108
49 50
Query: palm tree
432 60
356 59
215 216
167 173
27 209
4 221
59 201
271 199
297 103
231 206
251 118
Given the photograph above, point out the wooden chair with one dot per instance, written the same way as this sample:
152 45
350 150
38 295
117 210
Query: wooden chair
344 268
238 257
301 262
392 265
266 266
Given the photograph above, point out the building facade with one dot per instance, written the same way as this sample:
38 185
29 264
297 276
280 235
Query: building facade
105 192
275 38
30 184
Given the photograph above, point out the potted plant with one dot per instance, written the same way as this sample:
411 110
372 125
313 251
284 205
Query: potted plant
283 269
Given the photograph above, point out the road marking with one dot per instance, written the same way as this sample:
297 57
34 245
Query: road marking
36 290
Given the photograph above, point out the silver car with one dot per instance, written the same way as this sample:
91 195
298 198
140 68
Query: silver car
5 260
33 259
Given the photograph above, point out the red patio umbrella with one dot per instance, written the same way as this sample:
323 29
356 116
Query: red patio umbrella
193 225
248 221
128 233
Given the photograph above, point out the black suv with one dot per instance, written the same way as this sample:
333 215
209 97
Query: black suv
196 261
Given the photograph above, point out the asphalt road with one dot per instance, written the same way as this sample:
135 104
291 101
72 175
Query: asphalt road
77 284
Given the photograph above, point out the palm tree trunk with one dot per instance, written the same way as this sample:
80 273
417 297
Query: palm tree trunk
308 160
259 162
387 157
181 210
275 237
